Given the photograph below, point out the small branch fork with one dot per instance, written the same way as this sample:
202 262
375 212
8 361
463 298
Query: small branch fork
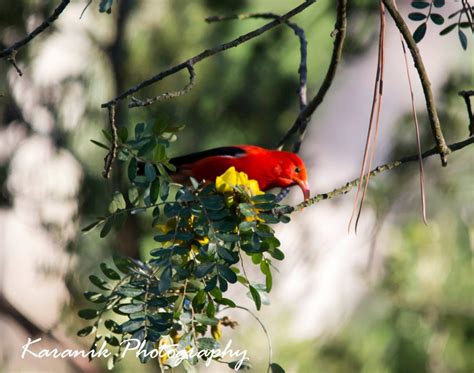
299 32
301 122
10 52
425 82
189 65
208 53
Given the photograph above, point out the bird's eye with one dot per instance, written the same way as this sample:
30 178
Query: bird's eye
297 170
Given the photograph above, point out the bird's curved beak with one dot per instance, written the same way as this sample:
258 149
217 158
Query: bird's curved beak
303 184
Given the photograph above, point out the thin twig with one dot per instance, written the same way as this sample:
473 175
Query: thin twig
299 32
167 95
112 154
209 52
417 134
267 335
467 98
388 166
11 51
301 122
424 80
468 11
370 145
85 8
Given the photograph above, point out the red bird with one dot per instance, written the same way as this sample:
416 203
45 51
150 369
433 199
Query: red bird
271 168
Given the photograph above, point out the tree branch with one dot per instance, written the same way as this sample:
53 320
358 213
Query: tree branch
467 98
299 32
9 310
167 95
209 52
388 166
11 51
443 149
304 116
112 154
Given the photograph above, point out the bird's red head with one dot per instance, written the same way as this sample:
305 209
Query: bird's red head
293 172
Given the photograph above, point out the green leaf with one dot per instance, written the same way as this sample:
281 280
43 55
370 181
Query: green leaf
417 16
86 331
419 33
175 128
150 172
263 198
88 314
131 308
247 210
99 144
265 268
462 39
269 218
420 4
109 272
122 263
225 302
437 18
132 169
118 203
164 237
105 6
107 135
247 225
149 346
130 291
228 237
91 226
112 326
164 190
227 255
101 284
165 279
132 325
223 286
206 343
123 134
211 308
239 365
227 273
277 254
172 210
448 29
257 258
109 223
276 368
94 297
256 297
438 3
203 319
199 298
213 202
112 340
203 269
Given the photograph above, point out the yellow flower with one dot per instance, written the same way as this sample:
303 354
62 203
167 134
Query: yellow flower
232 179
216 331
164 341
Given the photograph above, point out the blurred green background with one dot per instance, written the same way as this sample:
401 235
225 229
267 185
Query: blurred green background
416 313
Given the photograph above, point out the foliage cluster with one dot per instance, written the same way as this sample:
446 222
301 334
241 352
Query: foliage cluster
202 233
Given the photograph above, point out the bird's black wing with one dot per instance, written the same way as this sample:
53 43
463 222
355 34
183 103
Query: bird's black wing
230 151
